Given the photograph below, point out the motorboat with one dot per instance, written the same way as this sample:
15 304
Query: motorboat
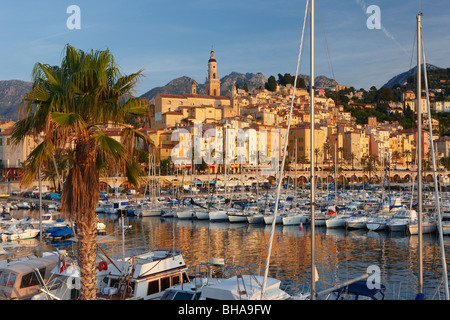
20 281
143 276
20 231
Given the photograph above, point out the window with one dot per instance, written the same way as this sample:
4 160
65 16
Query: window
175 280
185 278
165 283
153 287
31 279
4 278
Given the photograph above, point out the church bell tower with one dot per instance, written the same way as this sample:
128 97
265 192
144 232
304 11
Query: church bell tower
212 82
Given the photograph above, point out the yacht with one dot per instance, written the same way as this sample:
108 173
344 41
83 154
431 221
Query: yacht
147 275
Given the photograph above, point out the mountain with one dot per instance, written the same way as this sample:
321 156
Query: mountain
402 78
235 78
11 95
182 85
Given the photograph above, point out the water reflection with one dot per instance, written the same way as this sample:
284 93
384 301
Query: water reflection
340 254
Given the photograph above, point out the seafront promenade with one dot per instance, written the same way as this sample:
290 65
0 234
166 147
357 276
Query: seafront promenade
301 176
350 176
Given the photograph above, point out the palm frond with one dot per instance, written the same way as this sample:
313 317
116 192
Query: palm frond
35 159
109 146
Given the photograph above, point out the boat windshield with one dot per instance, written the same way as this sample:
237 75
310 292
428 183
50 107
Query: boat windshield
7 278
180 295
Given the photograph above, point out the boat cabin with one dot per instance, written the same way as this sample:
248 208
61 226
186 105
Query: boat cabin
21 281
148 275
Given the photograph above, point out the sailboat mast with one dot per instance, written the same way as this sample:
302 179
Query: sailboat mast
313 197
419 153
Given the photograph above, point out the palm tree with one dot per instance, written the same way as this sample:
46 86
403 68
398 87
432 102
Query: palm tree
316 154
327 150
407 155
396 156
352 158
70 104
302 159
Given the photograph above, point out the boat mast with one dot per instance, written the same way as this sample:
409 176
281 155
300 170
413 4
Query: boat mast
313 197
436 191
419 156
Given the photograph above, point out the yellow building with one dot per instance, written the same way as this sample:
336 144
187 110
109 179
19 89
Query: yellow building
300 137
212 106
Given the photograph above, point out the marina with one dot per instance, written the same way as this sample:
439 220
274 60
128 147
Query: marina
300 188
342 253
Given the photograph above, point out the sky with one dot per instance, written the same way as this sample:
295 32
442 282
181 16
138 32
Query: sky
170 39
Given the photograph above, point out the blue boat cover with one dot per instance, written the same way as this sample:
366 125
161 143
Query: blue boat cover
360 288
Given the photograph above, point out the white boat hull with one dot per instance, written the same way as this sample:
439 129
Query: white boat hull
269 219
237 218
218 215
336 222
293 219
427 227
151 212
186 214
29 234
202 215
398 226
359 223
376 226
256 219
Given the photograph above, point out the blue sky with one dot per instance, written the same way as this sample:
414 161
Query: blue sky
169 39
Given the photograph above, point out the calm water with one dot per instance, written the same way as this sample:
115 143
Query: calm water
340 254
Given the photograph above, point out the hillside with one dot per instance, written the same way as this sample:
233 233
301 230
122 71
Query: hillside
11 95
402 78
182 85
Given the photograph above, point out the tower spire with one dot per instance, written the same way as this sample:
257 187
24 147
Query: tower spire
212 79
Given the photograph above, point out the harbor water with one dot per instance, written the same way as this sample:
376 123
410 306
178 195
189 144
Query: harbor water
340 254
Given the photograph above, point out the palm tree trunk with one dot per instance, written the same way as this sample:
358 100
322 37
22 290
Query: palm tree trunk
87 254
80 197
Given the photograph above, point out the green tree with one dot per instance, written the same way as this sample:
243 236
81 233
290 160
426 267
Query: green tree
69 104
271 84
